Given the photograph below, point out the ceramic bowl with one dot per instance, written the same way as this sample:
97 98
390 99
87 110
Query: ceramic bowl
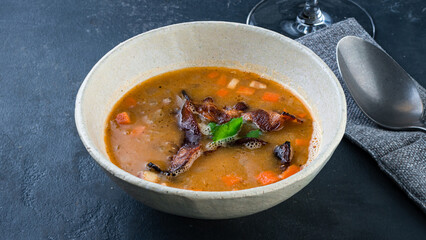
223 44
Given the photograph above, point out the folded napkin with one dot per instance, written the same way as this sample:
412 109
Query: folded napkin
401 154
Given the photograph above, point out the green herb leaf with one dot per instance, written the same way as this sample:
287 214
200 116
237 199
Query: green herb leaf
212 126
253 134
228 129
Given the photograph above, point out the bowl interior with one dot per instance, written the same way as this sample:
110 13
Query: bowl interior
208 44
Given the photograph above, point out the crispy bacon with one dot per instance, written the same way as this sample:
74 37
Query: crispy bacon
268 121
236 110
212 113
181 161
188 123
184 159
284 153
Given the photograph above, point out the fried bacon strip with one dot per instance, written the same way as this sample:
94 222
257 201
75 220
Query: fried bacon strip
212 113
236 110
268 121
189 124
284 153
184 159
181 161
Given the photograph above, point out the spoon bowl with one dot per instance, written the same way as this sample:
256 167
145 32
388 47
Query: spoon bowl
383 90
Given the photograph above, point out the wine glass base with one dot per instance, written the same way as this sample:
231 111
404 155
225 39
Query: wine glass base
281 16
296 29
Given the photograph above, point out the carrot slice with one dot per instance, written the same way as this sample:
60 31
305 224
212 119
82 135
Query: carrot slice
301 115
270 97
231 180
222 80
292 169
130 102
222 92
123 118
267 177
245 91
213 74
301 142
137 130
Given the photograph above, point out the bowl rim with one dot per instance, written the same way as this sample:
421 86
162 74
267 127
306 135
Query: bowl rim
114 170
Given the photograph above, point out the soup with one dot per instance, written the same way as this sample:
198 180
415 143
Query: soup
210 129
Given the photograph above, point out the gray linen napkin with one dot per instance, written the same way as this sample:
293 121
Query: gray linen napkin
401 154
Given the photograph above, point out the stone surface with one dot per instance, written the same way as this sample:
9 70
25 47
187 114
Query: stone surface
50 188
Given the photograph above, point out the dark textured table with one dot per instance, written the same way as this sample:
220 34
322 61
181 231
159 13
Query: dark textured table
50 188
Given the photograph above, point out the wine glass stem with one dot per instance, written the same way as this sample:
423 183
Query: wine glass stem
311 14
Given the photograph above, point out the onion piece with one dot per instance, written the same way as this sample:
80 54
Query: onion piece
233 83
258 85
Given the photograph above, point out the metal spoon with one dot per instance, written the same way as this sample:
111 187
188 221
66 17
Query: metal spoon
380 87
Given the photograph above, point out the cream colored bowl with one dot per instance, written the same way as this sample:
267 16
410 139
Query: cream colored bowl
210 44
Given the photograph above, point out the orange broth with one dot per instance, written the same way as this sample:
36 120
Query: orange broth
143 127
